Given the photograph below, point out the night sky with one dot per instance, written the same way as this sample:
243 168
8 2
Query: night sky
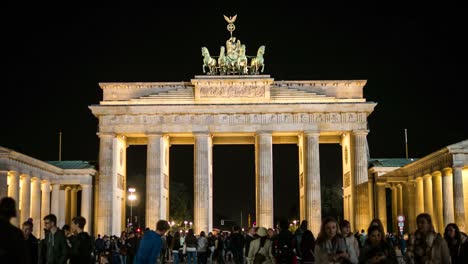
53 61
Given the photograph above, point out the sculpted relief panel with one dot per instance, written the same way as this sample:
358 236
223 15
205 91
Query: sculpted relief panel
233 91
233 119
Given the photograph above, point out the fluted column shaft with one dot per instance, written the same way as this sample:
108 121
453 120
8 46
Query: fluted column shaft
36 205
62 211
67 211
264 179
3 183
202 174
399 199
428 198
458 197
55 204
360 171
13 192
447 193
312 180
104 199
45 203
153 179
25 197
419 196
86 205
73 202
437 195
394 208
382 205
411 212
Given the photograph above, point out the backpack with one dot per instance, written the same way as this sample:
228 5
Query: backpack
284 248
202 243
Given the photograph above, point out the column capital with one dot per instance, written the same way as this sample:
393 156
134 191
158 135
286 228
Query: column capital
446 171
436 173
105 134
153 135
427 176
360 132
263 132
201 133
311 133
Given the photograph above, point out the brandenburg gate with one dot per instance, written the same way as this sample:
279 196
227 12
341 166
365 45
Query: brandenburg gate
233 104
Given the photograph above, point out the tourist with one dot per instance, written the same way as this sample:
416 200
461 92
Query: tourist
351 242
237 245
81 243
376 249
202 247
191 247
150 245
307 248
12 243
426 245
284 244
457 242
56 244
260 250
330 246
298 237
31 241
251 235
175 247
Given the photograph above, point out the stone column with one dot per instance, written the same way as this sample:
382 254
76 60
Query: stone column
45 203
394 208
458 197
399 199
13 192
55 205
447 193
105 188
153 179
74 202
3 183
428 198
86 205
62 212
25 197
419 196
203 157
264 178
313 203
437 195
411 212
67 211
36 205
360 171
382 204
370 191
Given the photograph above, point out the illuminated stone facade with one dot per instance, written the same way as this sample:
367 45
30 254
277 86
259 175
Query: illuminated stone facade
230 110
436 184
41 188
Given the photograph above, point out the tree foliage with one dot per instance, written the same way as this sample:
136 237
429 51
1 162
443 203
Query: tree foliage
180 203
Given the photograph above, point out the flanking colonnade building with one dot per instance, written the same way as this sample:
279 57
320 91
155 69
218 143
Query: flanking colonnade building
63 188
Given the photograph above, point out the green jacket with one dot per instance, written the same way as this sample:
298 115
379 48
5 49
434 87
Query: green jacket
56 248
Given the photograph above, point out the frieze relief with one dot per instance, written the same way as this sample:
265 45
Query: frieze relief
233 119
233 91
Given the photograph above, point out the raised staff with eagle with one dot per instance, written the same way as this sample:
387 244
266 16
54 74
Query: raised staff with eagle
232 59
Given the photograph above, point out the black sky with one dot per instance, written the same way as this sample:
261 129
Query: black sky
53 61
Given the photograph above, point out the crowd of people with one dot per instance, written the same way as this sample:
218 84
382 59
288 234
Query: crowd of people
335 243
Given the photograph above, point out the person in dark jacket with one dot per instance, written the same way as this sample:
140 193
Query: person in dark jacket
457 242
56 243
12 243
31 241
251 235
81 243
150 245
237 245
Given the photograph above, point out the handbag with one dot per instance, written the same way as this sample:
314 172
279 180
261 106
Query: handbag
259 258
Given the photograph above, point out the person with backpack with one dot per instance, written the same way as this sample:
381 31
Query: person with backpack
81 243
260 251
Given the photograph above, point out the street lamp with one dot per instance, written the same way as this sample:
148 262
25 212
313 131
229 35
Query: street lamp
185 224
190 224
131 197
